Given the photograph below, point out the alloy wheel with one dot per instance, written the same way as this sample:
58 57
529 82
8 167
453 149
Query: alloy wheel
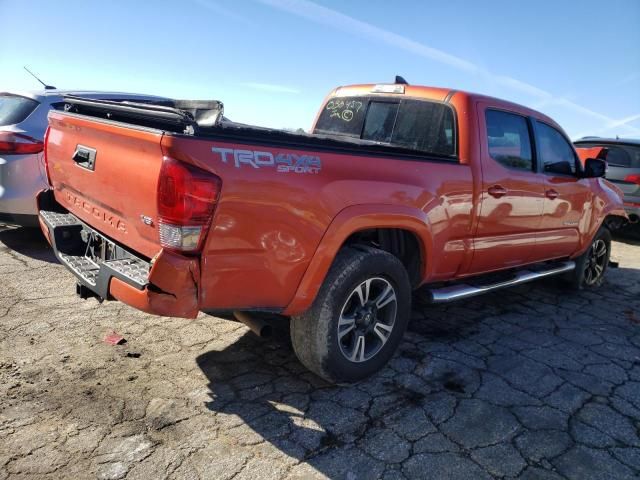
367 319
596 262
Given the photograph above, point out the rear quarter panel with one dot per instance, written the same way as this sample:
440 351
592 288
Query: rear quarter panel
268 225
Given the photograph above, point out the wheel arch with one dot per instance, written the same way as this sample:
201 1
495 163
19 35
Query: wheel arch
349 226
614 221
606 213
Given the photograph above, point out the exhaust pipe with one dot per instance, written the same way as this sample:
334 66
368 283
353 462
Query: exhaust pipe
633 218
257 326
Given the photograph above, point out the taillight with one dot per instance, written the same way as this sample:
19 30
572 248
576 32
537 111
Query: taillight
633 178
187 197
18 144
45 161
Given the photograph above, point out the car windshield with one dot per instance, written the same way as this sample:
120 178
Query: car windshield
15 109
420 125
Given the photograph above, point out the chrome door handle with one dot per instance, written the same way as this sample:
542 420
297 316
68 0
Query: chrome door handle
497 191
551 194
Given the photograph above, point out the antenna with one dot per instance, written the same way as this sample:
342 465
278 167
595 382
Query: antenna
46 87
401 81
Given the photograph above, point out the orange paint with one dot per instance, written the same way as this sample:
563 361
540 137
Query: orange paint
274 235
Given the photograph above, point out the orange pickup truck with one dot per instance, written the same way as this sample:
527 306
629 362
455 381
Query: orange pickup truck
175 210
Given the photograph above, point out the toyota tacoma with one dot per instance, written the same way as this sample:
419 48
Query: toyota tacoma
175 211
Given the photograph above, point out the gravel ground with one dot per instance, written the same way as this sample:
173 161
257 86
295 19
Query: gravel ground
535 382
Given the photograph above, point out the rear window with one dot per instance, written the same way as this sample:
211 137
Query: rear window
418 125
618 155
15 109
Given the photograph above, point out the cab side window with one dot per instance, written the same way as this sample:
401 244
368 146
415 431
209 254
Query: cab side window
555 152
509 140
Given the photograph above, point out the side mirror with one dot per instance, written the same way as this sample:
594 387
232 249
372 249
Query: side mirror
560 168
594 168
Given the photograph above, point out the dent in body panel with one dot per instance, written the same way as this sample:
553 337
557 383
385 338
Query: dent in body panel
173 289
278 221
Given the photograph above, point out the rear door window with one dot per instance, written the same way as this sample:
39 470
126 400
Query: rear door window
419 125
15 109
508 139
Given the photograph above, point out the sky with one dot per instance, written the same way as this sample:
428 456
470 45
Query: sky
271 62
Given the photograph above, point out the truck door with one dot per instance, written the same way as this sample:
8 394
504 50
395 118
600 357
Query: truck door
512 194
567 200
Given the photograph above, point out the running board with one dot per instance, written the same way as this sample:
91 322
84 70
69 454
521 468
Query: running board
460 291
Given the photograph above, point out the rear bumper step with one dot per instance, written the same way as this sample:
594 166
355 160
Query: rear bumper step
93 258
461 291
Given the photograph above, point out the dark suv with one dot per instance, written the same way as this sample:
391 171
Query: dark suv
623 159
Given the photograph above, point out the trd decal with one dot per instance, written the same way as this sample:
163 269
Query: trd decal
282 162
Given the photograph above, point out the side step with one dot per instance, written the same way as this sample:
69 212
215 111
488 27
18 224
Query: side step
459 291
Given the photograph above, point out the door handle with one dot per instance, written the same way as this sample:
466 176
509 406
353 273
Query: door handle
85 157
497 191
551 194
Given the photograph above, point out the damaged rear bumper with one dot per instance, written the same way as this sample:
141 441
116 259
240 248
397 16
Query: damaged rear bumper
166 285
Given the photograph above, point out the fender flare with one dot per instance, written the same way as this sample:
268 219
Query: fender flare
599 218
351 220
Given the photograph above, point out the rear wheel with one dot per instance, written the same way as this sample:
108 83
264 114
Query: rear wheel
358 318
592 264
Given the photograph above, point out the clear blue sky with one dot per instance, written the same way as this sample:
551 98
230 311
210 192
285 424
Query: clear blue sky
272 61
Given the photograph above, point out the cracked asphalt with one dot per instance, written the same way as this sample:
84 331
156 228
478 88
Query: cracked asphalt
535 382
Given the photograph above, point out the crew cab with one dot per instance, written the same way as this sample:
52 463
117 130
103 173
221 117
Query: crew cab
175 211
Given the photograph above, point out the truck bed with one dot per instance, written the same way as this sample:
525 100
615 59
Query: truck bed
205 119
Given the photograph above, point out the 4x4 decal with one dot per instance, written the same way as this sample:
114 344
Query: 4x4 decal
282 162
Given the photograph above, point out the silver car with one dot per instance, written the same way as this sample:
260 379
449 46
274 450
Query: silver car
23 122
623 162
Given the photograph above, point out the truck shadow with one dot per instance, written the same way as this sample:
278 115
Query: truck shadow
28 242
260 392
264 394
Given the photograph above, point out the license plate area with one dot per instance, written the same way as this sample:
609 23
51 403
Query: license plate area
100 249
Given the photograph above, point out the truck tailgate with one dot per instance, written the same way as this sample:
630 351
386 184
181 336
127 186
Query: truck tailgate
107 175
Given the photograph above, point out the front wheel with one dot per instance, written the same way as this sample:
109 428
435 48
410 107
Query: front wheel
592 264
358 318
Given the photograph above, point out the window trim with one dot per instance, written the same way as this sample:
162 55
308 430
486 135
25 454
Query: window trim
576 159
530 131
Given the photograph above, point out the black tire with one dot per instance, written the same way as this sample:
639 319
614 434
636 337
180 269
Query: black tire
315 334
587 275
631 231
